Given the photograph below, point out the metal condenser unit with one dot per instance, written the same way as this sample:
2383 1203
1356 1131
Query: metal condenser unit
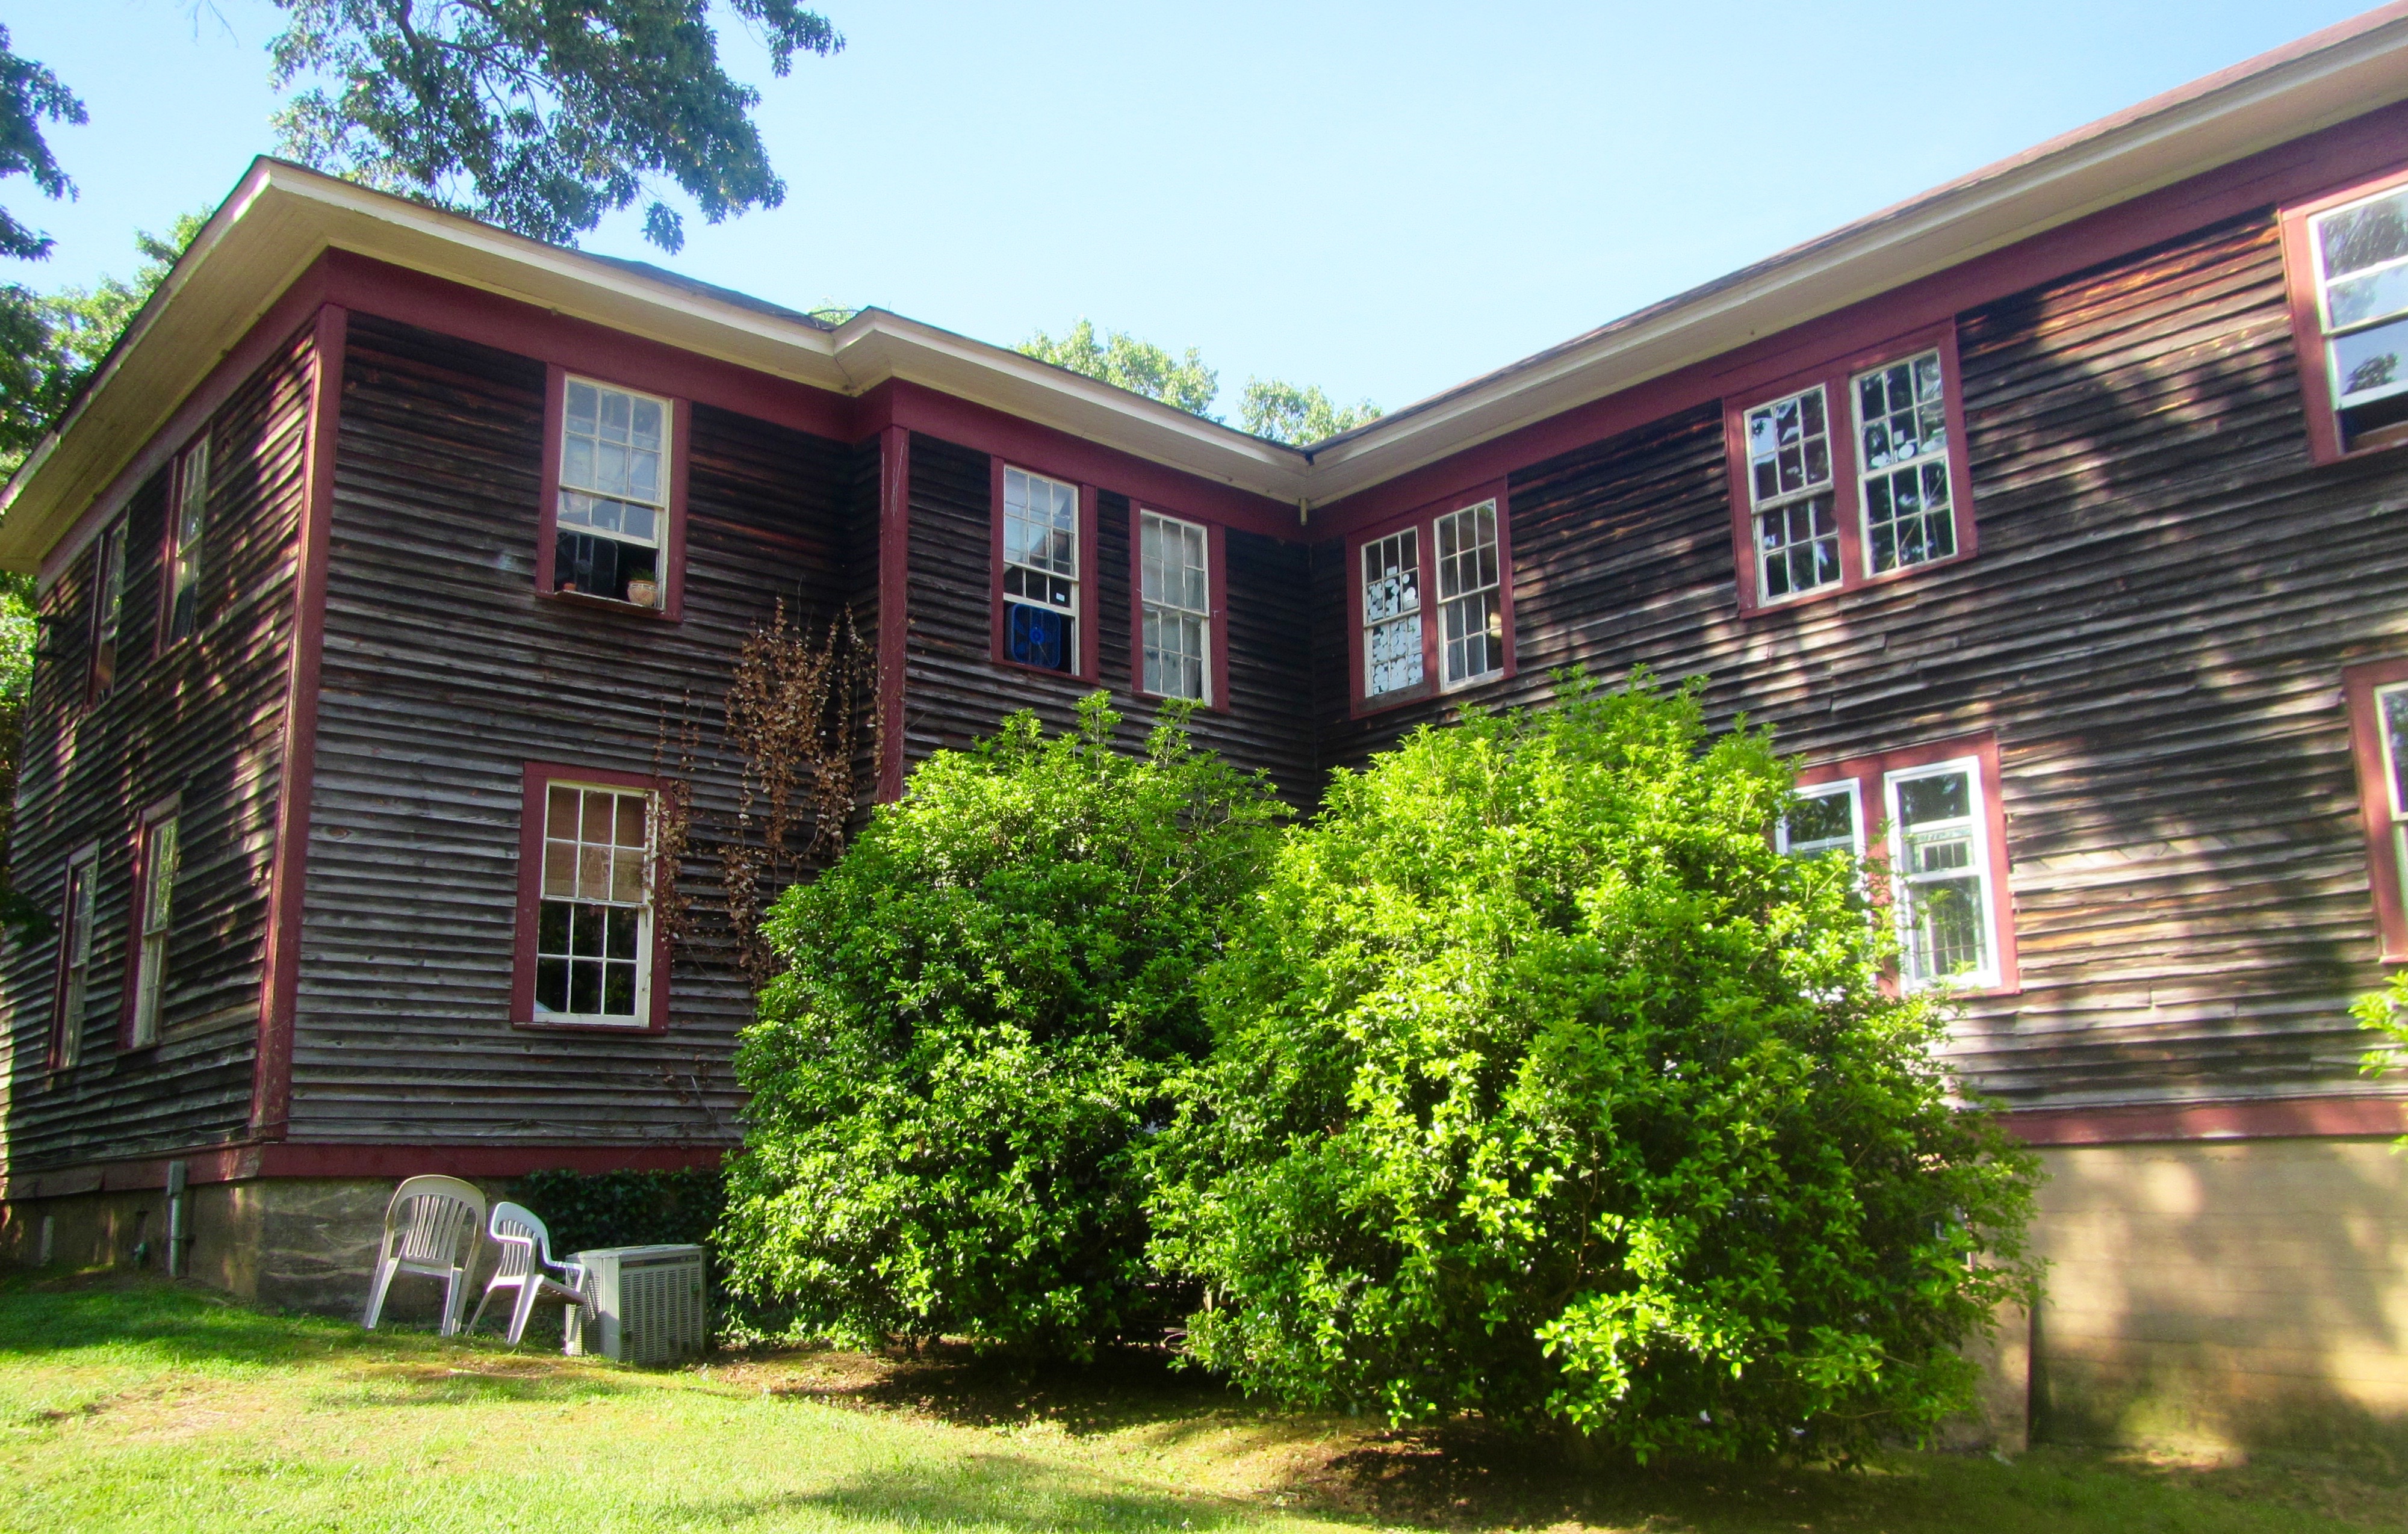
643 1304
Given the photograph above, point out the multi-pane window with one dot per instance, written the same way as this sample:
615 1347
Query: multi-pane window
2391 719
108 609
2360 252
1175 588
75 958
1826 817
1040 571
187 524
1392 614
154 920
594 913
1470 605
1939 872
1902 465
1796 524
615 493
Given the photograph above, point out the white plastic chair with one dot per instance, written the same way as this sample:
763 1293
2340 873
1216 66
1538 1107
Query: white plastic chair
431 1228
526 1253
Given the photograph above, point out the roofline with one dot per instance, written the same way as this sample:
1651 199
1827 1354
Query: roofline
281 217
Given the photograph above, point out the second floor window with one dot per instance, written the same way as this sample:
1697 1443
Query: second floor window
154 919
1435 599
107 608
1789 480
2360 252
1392 614
187 525
1040 571
612 521
1175 586
1470 605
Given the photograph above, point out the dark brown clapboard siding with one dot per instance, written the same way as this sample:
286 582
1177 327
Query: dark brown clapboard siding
445 674
2154 626
204 720
957 692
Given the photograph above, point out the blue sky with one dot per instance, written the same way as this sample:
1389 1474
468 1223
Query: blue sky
1381 199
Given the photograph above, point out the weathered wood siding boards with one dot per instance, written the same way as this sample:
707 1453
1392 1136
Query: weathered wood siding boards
955 691
444 674
2154 626
203 720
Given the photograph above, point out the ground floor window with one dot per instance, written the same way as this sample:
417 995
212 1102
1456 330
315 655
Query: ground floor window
156 863
2378 719
1936 841
590 952
75 958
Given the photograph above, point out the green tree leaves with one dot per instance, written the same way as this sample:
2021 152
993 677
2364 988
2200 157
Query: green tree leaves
1544 1088
1285 413
1125 361
541 115
955 1085
30 95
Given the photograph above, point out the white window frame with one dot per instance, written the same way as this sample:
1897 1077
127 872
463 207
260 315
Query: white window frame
1069 606
1925 457
641 1017
2330 336
1990 975
2391 781
1837 787
1401 608
187 530
1455 596
1156 608
155 922
658 503
107 611
78 905
1783 501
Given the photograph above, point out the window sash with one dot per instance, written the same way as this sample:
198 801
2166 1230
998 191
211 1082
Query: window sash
614 451
75 953
594 907
1793 524
1947 910
1852 844
1471 605
1174 583
2391 725
187 527
1904 492
1392 614
154 923
107 608
2363 310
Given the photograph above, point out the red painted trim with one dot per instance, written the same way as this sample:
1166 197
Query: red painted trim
1424 521
1868 772
2346 154
1059 455
894 603
2307 323
138 915
296 309
580 345
245 1162
538 777
1216 605
2382 871
672 563
88 856
271 1080
2295 1118
1837 378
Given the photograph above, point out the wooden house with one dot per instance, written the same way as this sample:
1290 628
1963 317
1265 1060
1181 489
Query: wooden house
2057 517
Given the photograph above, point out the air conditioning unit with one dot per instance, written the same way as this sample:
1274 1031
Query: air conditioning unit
643 1304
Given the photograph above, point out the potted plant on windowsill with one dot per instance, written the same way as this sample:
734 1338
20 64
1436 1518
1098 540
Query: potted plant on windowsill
644 592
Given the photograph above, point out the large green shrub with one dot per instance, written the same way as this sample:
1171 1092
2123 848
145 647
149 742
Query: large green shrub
954 1081
1545 1087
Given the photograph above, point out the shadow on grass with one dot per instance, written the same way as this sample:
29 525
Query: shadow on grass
1121 1389
983 1491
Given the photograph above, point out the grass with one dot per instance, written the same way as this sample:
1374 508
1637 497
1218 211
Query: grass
132 1404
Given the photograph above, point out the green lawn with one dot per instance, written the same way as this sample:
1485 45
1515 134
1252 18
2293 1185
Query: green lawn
144 1405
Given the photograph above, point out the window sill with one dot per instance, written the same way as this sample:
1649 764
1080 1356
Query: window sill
1141 695
534 1026
608 604
1891 577
1360 707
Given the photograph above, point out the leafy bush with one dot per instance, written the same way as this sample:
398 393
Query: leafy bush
584 1210
2386 1011
955 1082
1545 1087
